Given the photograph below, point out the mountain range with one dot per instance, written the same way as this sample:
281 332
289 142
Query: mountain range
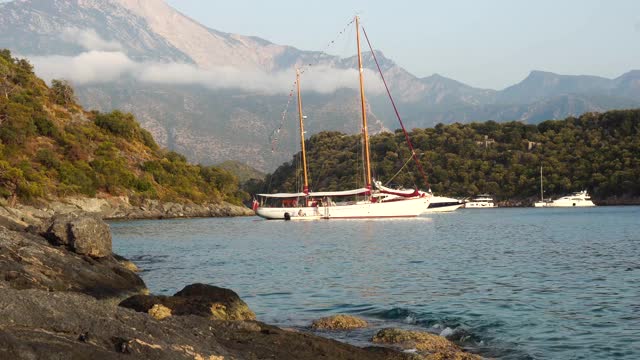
216 96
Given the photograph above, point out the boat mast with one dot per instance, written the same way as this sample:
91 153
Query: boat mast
541 190
365 130
304 153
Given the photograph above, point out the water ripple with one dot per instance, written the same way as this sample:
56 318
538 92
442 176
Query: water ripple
506 283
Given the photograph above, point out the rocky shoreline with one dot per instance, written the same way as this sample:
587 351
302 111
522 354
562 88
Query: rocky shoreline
65 295
117 208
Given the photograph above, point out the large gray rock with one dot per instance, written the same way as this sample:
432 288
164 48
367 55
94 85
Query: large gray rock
41 325
90 236
28 261
85 234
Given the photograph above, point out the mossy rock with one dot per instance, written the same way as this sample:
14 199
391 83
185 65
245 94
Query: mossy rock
339 322
159 312
429 346
197 299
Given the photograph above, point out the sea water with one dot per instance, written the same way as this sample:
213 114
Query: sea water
504 283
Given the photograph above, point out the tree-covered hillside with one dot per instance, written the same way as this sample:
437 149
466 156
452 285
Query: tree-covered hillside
598 152
50 147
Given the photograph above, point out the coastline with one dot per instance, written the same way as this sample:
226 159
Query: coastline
121 208
118 208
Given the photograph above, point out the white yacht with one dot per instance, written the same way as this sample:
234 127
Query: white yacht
444 204
577 199
482 201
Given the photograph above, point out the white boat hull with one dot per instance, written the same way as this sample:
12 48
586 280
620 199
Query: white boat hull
443 204
579 199
362 210
567 203
448 208
294 213
366 210
479 205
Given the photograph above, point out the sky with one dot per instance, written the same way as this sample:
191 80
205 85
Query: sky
487 44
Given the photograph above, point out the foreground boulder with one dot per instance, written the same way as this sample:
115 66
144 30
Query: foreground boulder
429 346
28 261
82 233
198 299
339 322
36 324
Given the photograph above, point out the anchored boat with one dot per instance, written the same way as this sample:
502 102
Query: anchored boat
362 203
577 199
482 201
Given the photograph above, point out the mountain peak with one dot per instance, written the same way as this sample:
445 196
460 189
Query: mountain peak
435 76
541 72
540 75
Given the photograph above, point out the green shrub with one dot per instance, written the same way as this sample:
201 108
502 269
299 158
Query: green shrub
78 177
47 158
148 139
45 127
62 93
18 124
118 123
28 190
175 157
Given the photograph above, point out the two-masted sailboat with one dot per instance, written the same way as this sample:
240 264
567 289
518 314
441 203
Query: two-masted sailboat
361 203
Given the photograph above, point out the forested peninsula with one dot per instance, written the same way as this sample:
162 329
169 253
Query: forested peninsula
52 149
599 152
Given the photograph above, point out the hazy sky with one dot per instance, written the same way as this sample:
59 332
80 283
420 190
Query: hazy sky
489 44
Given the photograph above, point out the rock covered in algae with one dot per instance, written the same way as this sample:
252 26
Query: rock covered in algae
339 322
429 346
159 311
196 299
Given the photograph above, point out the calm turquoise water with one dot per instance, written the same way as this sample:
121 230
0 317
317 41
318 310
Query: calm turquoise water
507 283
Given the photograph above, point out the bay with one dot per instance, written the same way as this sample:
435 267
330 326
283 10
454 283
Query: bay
506 283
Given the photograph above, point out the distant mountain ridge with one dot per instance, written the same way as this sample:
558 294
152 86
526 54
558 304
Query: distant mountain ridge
216 96
540 84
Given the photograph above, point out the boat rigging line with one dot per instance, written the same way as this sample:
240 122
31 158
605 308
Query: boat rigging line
395 109
275 135
399 171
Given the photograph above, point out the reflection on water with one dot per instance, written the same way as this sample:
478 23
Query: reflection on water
509 283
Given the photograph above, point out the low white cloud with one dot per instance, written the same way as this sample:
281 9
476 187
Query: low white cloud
93 67
86 68
89 39
104 62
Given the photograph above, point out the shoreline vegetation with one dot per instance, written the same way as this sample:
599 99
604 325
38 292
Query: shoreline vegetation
64 294
53 152
598 152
